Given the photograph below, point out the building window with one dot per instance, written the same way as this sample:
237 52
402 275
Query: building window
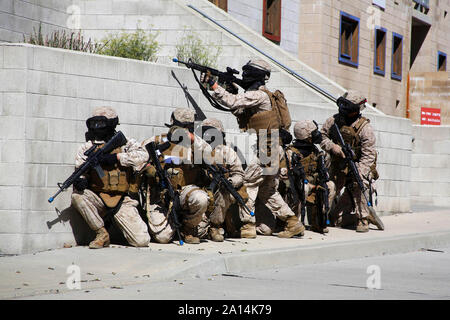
442 61
222 4
379 65
272 20
349 39
397 48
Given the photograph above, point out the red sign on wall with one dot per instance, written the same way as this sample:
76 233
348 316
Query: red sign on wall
430 116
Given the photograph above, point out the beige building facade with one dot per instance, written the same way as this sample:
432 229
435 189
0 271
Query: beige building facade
375 46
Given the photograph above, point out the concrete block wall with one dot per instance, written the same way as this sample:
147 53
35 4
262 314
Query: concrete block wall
430 166
46 96
19 17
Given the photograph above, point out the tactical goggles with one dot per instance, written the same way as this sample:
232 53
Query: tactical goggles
101 122
212 134
253 72
347 106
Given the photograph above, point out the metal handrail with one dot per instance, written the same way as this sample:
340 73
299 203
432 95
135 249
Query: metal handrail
281 65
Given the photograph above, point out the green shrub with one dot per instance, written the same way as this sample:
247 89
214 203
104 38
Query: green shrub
138 45
192 47
63 40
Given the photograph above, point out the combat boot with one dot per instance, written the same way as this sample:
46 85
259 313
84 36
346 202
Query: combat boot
316 228
215 235
248 231
293 227
101 240
363 225
190 235
191 239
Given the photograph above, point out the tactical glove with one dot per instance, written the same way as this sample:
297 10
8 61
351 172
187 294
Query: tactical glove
80 184
337 151
109 159
207 78
232 88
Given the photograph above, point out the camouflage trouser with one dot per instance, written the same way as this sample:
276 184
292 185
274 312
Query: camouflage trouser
351 200
194 203
127 218
222 202
265 188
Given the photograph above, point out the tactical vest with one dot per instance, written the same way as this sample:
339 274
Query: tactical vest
178 161
309 164
262 120
117 182
350 134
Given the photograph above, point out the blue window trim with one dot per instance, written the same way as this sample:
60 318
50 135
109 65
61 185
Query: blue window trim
441 54
393 75
344 58
423 3
375 67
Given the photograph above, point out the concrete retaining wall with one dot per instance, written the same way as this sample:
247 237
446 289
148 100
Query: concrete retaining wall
430 166
19 17
45 96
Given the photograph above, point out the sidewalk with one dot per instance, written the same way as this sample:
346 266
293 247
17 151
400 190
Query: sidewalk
117 266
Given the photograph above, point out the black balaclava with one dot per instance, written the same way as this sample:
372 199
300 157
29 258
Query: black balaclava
252 77
101 128
348 110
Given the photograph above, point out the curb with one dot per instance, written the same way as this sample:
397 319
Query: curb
313 254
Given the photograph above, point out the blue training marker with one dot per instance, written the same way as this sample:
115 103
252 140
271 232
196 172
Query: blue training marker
175 60
181 242
252 213
51 199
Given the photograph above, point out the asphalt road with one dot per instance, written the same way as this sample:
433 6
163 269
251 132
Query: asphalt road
418 275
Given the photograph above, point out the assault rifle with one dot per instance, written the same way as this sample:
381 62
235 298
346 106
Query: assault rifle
223 77
92 161
349 155
172 196
322 194
297 181
218 178
199 115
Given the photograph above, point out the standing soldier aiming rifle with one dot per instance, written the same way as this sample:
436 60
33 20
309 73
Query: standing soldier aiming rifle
265 112
109 191
353 165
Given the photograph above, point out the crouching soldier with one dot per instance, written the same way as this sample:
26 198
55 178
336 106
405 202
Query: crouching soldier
307 165
358 134
113 196
225 157
178 152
